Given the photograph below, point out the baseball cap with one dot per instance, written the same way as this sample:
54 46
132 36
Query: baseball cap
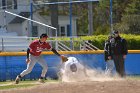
110 36
73 67
115 32
43 35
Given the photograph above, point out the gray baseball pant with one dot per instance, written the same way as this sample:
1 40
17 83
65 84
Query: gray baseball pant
31 64
109 66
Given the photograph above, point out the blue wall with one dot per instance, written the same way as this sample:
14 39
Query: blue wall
11 66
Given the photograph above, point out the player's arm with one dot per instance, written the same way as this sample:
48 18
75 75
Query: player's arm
49 47
64 59
125 50
28 52
55 52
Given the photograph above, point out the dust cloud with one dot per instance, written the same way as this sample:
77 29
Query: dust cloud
89 75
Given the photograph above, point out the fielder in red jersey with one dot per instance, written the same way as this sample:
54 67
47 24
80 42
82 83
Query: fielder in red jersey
36 47
34 56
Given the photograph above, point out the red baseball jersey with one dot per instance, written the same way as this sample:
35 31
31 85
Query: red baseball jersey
37 47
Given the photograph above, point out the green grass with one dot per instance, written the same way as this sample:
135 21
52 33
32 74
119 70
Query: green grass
134 77
23 84
16 86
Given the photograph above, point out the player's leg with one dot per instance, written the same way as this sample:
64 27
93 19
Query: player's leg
81 67
109 67
116 63
29 68
122 66
43 63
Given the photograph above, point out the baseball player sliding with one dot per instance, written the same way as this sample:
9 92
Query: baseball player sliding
34 56
72 70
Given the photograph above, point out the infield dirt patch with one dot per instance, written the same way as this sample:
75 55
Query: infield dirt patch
113 86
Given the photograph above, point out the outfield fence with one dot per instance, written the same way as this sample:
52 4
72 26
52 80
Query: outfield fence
13 63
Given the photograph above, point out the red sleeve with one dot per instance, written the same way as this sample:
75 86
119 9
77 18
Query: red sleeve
31 46
48 46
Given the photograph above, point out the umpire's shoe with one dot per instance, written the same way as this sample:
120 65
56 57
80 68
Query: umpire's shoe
17 79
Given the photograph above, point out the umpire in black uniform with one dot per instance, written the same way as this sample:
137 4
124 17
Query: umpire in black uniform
119 52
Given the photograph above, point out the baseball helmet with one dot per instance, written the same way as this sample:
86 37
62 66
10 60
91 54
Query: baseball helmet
73 67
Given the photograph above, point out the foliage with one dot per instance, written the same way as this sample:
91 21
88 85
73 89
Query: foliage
101 18
126 16
133 41
130 24
130 20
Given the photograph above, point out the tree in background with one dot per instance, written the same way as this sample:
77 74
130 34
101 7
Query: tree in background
102 17
130 20
126 16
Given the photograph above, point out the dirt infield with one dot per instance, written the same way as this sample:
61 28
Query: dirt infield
113 86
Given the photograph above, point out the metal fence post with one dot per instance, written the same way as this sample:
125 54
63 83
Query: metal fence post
56 41
2 44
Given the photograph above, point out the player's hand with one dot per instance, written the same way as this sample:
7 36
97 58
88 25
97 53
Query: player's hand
124 56
27 60
64 58
109 57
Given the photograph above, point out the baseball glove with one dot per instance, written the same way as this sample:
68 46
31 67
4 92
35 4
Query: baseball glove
64 59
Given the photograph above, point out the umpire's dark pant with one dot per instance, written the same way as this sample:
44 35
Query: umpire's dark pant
119 64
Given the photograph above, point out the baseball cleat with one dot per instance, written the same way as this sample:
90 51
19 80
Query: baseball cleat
17 80
41 81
